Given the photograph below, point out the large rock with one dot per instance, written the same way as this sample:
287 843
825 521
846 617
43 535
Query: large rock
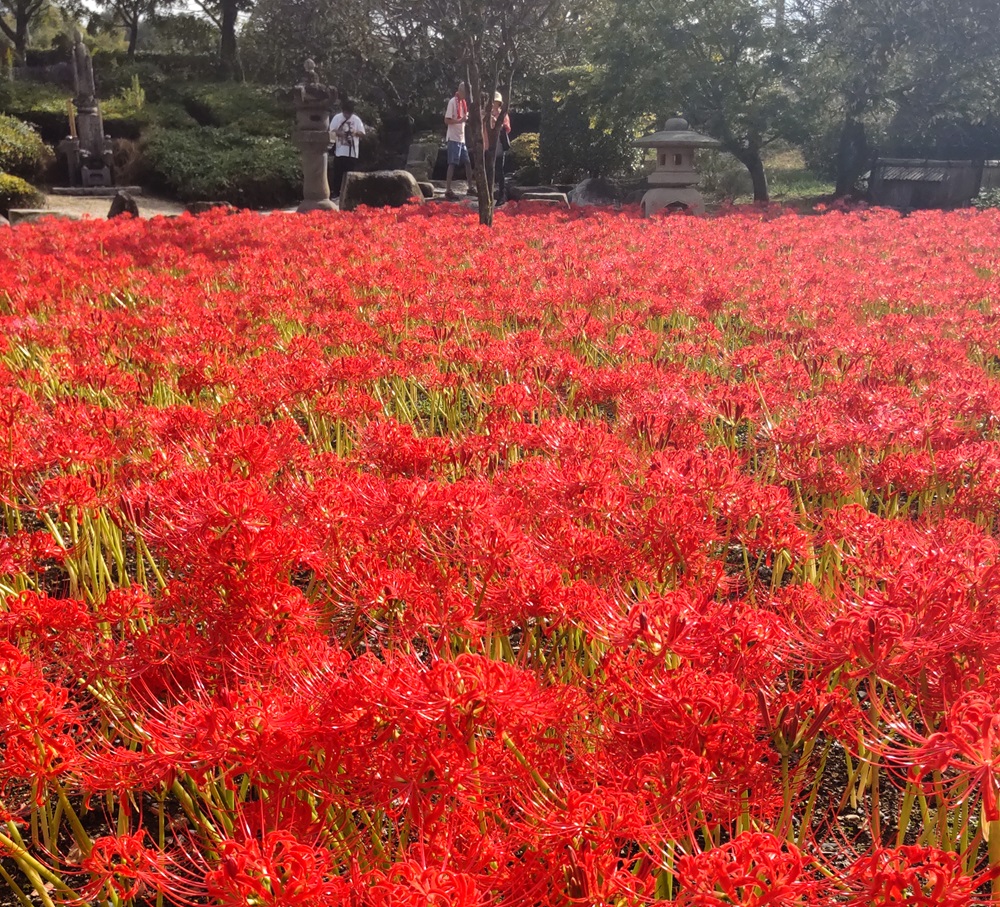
123 203
379 189
594 192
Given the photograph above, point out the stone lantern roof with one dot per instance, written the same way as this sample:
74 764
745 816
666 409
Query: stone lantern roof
678 133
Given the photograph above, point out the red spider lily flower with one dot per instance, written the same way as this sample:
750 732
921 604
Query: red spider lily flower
754 870
909 875
410 884
276 871
39 725
128 866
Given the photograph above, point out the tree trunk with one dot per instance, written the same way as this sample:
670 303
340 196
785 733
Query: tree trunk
477 147
852 154
21 34
18 35
752 161
228 53
133 37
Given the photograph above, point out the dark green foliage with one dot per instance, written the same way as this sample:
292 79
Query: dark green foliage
16 193
987 199
524 150
213 164
251 109
578 138
22 151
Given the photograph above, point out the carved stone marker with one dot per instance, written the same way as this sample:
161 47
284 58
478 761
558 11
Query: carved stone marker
421 158
313 103
87 148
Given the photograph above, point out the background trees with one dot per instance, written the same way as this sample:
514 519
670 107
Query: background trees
16 19
840 79
724 64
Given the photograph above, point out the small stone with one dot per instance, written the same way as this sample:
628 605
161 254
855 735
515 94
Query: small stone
123 203
427 189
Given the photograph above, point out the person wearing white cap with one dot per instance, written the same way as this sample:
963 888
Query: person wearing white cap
503 139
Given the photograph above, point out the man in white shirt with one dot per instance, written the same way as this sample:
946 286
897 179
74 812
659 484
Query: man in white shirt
456 116
346 129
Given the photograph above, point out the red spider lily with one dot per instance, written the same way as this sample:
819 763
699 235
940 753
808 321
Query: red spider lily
277 870
411 884
754 870
40 729
400 585
921 876
130 866
966 747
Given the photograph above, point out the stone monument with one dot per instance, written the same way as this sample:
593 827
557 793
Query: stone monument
87 148
673 182
421 157
313 103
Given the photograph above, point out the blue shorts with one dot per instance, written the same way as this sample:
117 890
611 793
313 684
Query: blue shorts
457 153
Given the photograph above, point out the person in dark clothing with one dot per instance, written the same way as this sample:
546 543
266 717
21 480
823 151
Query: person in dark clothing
503 146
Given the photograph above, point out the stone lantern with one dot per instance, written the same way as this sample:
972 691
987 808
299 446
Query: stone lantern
673 183
313 102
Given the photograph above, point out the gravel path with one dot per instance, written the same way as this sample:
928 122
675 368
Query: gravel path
149 205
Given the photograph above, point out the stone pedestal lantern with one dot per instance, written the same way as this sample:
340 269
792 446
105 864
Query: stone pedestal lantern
312 136
673 183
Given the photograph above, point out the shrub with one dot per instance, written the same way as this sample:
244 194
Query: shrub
577 139
130 164
721 175
209 164
17 193
524 151
988 198
251 109
22 151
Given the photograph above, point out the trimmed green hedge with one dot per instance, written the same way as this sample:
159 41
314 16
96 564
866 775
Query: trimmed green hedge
210 164
22 151
251 109
16 193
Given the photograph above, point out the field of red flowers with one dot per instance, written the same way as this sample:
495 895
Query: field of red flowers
388 560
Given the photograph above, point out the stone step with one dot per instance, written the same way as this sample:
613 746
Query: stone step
32 215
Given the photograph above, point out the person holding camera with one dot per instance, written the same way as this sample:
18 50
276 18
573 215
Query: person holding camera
346 130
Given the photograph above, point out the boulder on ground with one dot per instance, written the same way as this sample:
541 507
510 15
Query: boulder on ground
203 207
594 192
427 189
123 203
379 189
